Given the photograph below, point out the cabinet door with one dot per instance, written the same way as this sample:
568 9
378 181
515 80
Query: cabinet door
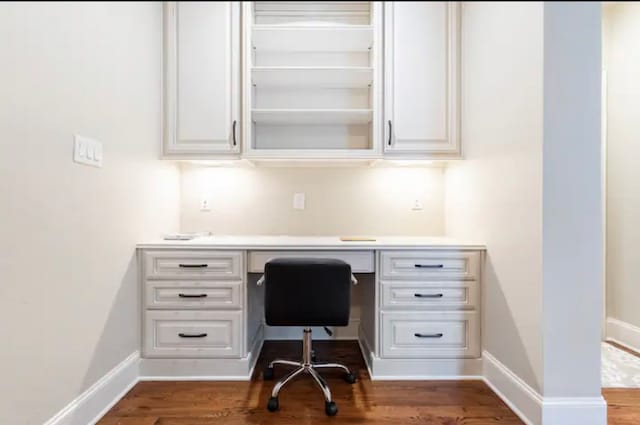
422 78
202 76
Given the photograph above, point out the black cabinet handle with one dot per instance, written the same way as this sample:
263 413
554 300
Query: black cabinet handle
390 133
428 295
192 295
428 266
418 335
234 132
193 266
181 335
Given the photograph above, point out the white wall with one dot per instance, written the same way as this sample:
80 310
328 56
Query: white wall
495 195
67 270
622 63
340 201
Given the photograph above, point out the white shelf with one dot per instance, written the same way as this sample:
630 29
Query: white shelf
311 116
329 38
322 77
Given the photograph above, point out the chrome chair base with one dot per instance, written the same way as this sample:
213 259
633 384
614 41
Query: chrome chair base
306 366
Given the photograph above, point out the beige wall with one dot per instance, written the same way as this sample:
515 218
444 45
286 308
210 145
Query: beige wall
67 269
622 56
340 201
495 195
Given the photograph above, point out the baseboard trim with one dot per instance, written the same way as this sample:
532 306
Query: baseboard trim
158 369
95 402
580 410
623 333
532 408
517 394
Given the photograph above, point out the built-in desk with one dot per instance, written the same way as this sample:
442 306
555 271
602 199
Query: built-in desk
418 312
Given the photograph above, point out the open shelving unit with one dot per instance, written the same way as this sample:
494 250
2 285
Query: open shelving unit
312 72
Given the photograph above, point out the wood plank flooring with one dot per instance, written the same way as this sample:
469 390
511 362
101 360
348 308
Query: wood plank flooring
301 403
376 403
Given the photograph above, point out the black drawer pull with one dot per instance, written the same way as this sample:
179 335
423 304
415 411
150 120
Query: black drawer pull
181 335
418 335
428 266
193 266
192 295
428 295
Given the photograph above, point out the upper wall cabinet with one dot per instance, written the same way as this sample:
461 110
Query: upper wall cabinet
201 79
422 79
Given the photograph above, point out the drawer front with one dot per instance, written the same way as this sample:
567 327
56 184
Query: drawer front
431 335
431 265
225 265
193 334
360 261
429 295
193 294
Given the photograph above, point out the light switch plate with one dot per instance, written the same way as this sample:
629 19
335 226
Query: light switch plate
298 201
87 151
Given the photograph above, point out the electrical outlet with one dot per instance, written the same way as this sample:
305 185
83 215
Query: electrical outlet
205 205
417 205
298 201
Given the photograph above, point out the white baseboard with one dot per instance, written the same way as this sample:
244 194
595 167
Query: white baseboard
623 333
532 408
426 369
95 402
517 394
570 411
195 369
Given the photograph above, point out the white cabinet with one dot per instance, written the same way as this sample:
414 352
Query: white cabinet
429 304
422 79
201 94
193 304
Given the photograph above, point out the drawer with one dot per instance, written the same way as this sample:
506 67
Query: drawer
192 334
360 261
430 295
226 265
430 265
193 294
430 335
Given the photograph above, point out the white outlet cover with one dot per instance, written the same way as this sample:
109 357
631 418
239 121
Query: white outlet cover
205 205
298 201
417 205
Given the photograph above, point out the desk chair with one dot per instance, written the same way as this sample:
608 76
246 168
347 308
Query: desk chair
307 292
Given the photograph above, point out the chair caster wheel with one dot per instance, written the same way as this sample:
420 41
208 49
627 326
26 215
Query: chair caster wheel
350 378
273 405
330 408
267 373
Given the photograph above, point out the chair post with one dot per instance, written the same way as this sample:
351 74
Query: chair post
306 347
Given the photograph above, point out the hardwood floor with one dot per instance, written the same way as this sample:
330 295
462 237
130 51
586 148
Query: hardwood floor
377 403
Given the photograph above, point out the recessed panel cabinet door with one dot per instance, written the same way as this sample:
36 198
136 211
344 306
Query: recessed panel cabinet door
422 79
201 79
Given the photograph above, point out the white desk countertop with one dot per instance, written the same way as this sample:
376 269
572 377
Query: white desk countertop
263 242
